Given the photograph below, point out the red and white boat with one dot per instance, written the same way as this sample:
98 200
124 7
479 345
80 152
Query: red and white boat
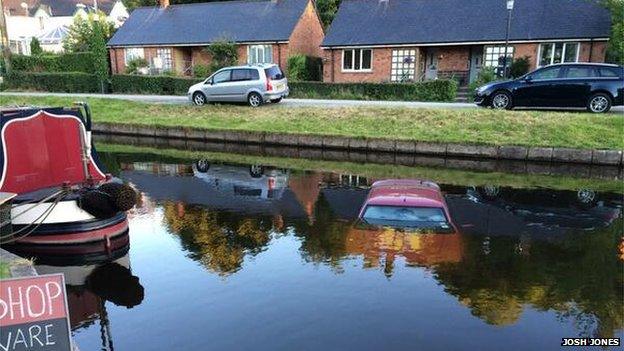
65 205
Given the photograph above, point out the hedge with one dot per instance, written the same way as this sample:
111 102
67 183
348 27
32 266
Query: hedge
305 68
158 85
66 82
434 90
69 62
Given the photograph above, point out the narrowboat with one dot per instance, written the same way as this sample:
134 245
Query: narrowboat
65 205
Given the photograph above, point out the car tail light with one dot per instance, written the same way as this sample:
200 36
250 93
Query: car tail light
269 86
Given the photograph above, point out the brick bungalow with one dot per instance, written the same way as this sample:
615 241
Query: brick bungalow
414 40
173 37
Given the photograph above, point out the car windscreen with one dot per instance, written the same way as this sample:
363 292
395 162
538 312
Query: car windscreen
274 73
417 217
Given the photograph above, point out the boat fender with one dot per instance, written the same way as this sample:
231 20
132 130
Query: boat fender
108 199
122 195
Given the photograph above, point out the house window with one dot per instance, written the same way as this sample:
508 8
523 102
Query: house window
133 54
403 65
551 53
259 54
493 55
357 60
164 54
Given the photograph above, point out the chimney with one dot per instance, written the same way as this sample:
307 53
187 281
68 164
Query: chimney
163 3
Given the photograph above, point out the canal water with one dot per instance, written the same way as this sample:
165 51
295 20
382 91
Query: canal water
229 252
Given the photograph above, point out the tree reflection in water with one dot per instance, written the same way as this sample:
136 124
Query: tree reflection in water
578 274
219 240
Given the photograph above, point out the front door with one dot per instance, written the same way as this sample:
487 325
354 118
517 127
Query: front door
431 64
476 62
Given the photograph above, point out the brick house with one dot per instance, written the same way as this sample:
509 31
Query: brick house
414 40
173 37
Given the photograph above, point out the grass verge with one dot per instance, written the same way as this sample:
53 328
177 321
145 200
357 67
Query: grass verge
474 126
129 153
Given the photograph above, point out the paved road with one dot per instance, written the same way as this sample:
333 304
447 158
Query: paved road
173 99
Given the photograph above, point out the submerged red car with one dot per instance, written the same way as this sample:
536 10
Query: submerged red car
406 203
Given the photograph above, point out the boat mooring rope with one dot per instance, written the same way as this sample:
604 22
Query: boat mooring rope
30 228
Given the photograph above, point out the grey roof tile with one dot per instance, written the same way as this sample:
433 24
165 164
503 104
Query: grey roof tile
374 22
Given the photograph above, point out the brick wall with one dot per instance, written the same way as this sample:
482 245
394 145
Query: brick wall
332 68
308 34
117 59
453 58
598 51
521 50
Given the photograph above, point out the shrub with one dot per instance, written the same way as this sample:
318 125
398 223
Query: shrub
223 53
520 66
158 85
67 82
434 90
201 71
133 66
69 62
486 75
35 47
304 68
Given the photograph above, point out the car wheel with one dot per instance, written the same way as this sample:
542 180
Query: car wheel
254 99
586 197
599 103
256 171
199 98
202 166
275 101
501 100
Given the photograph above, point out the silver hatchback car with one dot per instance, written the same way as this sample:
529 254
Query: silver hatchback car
255 85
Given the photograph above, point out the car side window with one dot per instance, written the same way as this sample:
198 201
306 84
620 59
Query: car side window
580 72
255 75
546 73
239 75
608 72
221 77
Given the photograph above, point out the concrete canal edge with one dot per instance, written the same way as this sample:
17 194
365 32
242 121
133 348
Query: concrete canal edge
511 152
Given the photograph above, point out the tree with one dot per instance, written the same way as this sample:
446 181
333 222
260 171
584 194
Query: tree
100 55
615 50
327 10
35 47
223 53
84 32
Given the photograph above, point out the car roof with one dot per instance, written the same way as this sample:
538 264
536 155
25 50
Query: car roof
583 64
257 65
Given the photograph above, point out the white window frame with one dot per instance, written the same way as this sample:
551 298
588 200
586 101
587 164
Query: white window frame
353 70
563 52
398 64
132 54
166 57
501 51
264 48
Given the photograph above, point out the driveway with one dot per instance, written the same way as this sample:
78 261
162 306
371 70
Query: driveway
175 99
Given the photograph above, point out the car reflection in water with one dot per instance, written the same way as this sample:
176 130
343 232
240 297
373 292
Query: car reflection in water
254 181
89 287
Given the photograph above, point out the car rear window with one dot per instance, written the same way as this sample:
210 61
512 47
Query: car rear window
274 73
608 72
408 216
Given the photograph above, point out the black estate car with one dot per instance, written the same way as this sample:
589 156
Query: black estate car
594 86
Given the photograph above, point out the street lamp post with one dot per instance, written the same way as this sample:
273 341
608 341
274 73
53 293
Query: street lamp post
510 5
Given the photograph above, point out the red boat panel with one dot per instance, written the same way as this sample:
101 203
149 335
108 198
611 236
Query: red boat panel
43 150
77 238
